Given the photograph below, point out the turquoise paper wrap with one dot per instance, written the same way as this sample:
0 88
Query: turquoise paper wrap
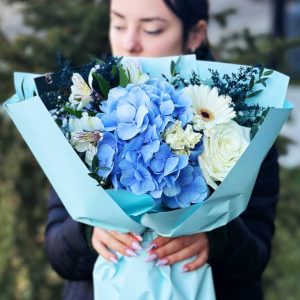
133 278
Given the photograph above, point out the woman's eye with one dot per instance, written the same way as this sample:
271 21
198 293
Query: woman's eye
153 32
118 28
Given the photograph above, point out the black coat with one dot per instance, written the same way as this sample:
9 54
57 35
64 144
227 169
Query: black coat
237 273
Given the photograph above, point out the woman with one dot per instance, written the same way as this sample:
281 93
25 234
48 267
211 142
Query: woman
237 253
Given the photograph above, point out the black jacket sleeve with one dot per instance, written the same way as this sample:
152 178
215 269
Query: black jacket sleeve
248 245
66 246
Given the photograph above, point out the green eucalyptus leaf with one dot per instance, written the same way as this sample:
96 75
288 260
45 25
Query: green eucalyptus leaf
103 84
268 73
254 94
114 71
96 177
178 63
73 112
95 163
173 68
124 79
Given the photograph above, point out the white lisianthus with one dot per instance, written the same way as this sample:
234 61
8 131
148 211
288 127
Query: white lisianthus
135 73
85 132
81 93
181 141
223 146
210 109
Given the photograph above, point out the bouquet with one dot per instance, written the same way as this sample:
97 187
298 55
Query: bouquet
160 145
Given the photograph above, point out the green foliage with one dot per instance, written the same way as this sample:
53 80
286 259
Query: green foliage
124 79
24 271
77 29
281 279
103 84
244 47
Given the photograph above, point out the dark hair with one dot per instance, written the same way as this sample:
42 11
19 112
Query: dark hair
190 13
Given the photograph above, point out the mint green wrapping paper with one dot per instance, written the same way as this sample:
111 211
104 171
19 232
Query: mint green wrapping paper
133 278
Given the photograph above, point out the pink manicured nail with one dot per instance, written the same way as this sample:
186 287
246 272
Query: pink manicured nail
152 257
151 247
138 237
131 253
113 260
136 246
162 262
185 269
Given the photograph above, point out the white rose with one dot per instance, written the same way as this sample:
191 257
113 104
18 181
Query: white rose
223 146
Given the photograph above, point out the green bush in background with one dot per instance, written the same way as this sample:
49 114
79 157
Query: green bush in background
78 29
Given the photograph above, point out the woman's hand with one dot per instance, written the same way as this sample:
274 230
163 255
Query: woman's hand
171 250
104 241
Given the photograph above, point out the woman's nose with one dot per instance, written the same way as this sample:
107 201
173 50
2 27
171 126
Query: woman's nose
132 43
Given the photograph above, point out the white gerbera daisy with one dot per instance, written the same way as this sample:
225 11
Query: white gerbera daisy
81 93
209 108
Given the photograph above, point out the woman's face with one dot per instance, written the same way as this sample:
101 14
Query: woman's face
144 28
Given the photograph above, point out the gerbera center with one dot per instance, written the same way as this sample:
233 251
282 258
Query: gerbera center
205 114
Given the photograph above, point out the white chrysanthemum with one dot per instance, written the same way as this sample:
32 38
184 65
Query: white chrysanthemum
81 93
181 141
210 109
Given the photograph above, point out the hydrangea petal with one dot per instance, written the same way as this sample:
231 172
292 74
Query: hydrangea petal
140 115
170 165
125 113
167 107
127 131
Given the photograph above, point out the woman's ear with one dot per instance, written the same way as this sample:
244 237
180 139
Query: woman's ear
196 36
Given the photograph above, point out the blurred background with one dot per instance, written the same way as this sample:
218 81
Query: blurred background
31 33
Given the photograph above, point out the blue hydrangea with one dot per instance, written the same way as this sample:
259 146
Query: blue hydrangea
133 153
136 178
126 112
106 151
190 188
169 103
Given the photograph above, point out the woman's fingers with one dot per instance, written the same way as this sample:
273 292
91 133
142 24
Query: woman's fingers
171 246
165 250
104 252
197 263
159 242
180 255
181 248
127 239
121 243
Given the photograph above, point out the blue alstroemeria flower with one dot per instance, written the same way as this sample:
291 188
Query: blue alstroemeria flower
106 152
126 112
192 189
